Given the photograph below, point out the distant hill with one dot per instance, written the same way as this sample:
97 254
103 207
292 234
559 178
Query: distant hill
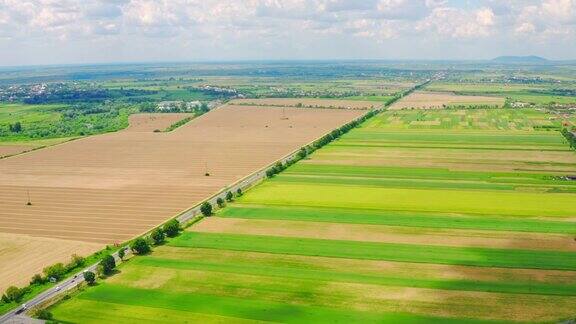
520 59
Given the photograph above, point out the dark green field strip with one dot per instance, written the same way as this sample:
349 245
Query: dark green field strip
249 308
554 138
471 256
398 219
394 183
326 275
510 178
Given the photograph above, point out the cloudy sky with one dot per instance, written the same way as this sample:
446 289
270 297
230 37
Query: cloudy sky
90 31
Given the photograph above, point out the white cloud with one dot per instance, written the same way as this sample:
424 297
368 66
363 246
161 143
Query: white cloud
283 24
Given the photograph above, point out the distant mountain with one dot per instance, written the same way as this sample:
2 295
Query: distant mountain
520 59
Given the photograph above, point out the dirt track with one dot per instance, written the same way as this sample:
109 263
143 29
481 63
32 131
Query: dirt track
108 188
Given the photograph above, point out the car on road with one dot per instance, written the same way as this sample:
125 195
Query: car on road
22 309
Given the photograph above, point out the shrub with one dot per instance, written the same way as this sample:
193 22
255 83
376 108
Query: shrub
206 209
140 246
171 228
158 236
122 253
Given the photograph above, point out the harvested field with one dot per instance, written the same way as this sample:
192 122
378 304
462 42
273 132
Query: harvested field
309 103
7 150
152 122
108 188
22 256
438 100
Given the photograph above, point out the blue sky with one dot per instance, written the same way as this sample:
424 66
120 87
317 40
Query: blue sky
91 31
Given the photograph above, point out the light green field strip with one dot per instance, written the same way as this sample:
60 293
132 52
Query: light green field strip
283 271
233 307
507 178
415 200
483 257
79 310
360 216
394 183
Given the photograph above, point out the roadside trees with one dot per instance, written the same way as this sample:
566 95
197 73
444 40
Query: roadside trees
108 264
229 196
171 228
206 209
122 253
220 202
158 236
89 277
140 246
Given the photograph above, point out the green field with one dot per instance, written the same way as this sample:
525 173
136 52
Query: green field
467 219
530 93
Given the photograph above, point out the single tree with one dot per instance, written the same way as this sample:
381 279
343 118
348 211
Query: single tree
140 246
108 264
171 228
206 209
158 236
5 299
89 277
229 196
239 192
220 202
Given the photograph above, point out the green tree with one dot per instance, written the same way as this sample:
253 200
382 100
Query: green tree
44 314
5 299
206 209
239 192
220 202
140 246
108 264
89 277
171 228
36 279
229 196
55 271
158 236
14 293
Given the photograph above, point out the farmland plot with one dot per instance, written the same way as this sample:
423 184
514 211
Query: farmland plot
352 234
309 103
437 100
106 189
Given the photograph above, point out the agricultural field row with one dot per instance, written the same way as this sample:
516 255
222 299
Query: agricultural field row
464 223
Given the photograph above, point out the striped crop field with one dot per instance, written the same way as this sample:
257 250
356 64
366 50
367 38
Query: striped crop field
470 219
